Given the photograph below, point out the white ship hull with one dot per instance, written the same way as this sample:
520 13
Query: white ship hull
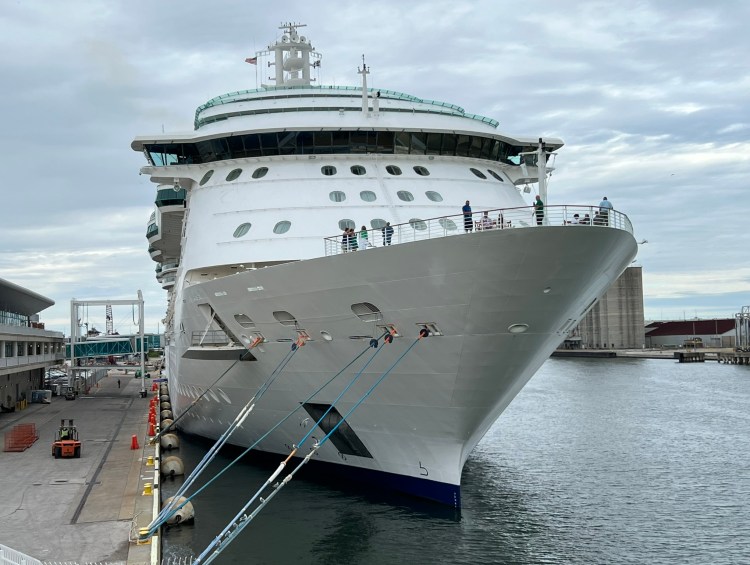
421 423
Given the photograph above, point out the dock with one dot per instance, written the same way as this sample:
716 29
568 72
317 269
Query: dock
87 509
687 355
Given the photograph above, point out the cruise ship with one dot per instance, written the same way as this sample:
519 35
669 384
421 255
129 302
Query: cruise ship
267 294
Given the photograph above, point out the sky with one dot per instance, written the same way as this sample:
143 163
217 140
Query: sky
652 100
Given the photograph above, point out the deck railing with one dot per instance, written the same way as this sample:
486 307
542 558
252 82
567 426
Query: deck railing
416 229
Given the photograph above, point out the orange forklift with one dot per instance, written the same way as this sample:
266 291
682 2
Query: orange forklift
66 442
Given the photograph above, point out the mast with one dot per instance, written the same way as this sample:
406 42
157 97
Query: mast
541 164
292 54
364 71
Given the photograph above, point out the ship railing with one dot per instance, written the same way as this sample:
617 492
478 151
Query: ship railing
525 217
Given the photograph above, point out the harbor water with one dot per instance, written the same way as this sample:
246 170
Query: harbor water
596 461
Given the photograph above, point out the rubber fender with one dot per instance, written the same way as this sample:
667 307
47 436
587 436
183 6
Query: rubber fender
166 406
165 424
170 441
184 514
164 398
172 466
166 414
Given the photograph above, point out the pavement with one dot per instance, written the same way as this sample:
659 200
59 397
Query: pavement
84 510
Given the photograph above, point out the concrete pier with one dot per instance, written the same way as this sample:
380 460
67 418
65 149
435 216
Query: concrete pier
87 509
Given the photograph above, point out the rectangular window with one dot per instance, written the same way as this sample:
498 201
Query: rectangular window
434 142
402 142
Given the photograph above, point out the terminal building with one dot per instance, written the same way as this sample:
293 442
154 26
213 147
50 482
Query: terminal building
26 348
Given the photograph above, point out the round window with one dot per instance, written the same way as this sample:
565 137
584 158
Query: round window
206 177
494 174
282 227
328 170
405 195
418 224
478 173
346 223
368 196
393 170
434 196
234 174
242 229
337 196
358 170
377 223
421 171
260 172
447 224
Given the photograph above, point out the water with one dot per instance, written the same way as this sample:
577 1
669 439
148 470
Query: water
596 461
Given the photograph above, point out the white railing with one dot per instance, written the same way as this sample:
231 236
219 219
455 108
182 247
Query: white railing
10 556
577 217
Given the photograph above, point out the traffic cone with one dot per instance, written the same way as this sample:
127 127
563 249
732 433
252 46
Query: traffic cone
151 429
134 443
154 387
152 417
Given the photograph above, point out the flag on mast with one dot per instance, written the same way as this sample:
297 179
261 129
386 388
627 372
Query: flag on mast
252 60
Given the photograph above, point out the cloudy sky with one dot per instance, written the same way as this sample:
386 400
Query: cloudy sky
651 99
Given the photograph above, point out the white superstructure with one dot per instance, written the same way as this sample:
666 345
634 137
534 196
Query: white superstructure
250 208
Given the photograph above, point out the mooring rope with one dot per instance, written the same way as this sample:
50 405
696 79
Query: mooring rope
154 526
241 520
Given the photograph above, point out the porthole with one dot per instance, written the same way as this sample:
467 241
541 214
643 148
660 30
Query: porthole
405 195
242 229
206 177
421 171
285 318
244 321
260 172
447 224
478 173
346 223
234 174
377 223
328 170
494 174
434 196
368 196
418 224
337 196
282 227
358 170
393 170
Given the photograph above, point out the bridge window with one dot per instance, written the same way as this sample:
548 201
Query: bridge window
494 174
393 170
405 195
478 173
260 172
328 170
421 171
206 177
337 196
434 196
358 170
368 196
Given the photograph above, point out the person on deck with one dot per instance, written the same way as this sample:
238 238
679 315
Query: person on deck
539 210
468 222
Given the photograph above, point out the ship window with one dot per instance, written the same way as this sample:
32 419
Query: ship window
434 196
405 195
242 229
282 227
377 223
260 172
346 223
244 321
367 312
368 196
494 174
358 170
234 174
478 173
285 318
418 224
393 170
328 170
447 224
206 177
421 171
337 196
433 143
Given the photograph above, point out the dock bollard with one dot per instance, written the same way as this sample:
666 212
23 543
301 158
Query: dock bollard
150 461
147 489
134 442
